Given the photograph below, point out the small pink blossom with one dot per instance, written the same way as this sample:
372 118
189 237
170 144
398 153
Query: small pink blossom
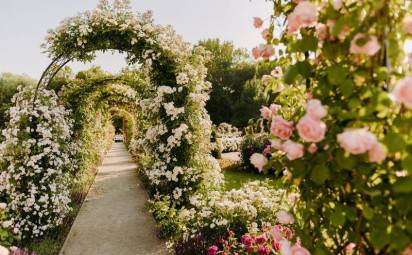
293 197
298 250
263 51
258 160
401 173
407 25
370 48
261 239
266 113
257 22
305 14
275 109
313 148
277 72
311 130
403 92
357 141
293 150
315 109
275 245
377 153
281 128
266 34
266 151
284 217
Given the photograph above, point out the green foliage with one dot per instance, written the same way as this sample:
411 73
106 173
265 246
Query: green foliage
8 87
252 143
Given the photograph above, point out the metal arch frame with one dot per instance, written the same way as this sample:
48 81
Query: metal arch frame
52 69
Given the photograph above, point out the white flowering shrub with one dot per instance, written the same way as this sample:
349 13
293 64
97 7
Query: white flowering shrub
35 163
228 138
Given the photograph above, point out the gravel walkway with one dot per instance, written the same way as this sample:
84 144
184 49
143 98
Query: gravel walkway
113 219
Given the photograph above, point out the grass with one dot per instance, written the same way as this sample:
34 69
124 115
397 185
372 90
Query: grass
236 177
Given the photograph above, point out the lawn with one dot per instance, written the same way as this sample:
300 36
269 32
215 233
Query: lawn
235 176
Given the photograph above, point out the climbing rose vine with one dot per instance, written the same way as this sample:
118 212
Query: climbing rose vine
344 129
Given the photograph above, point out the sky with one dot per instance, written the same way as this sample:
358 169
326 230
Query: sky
24 24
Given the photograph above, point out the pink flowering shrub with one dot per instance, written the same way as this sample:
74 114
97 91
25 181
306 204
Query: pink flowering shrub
271 240
344 128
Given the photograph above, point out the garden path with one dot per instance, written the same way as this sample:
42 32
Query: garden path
113 219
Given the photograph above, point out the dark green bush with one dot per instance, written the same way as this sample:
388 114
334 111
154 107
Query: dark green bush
252 143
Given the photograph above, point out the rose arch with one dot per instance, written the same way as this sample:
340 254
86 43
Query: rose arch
175 136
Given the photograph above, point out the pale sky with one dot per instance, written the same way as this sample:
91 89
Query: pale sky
24 23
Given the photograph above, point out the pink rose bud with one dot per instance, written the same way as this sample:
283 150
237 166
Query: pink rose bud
266 34
257 22
377 153
275 108
313 148
305 14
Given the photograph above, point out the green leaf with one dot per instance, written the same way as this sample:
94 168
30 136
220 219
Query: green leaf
394 142
407 163
379 238
347 88
320 174
304 68
338 218
336 74
291 74
367 212
345 162
403 185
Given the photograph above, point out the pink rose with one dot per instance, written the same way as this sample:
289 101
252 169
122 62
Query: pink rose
403 91
315 109
357 141
275 245
246 239
377 153
276 233
260 239
263 250
312 148
266 113
256 53
407 25
298 250
258 160
266 34
293 150
275 108
212 250
288 233
266 151
369 48
277 72
305 14
257 22
311 130
281 128
284 217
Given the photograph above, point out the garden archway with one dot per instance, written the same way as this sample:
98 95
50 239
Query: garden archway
177 138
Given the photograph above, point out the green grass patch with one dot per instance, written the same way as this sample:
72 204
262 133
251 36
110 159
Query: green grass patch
236 177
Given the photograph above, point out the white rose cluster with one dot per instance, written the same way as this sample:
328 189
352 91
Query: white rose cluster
253 203
36 157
